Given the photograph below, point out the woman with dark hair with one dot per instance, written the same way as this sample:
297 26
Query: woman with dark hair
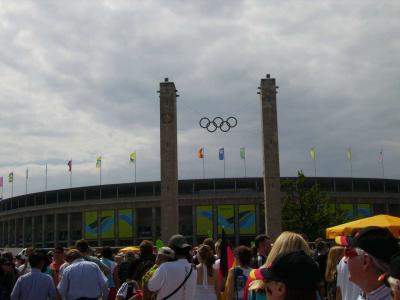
292 276
237 276
206 274
8 277
112 279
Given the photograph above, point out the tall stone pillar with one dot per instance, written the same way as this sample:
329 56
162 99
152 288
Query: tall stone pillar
272 197
169 160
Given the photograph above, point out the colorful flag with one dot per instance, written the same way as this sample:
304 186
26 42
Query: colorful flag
243 153
221 153
69 165
26 173
349 154
132 157
11 177
98 162
200 153
1 181
312 153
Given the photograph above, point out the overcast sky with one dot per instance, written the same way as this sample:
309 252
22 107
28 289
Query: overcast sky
79 79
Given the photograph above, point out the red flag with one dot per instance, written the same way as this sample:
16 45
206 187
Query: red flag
70 165
1 181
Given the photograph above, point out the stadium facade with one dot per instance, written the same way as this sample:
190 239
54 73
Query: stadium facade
125 214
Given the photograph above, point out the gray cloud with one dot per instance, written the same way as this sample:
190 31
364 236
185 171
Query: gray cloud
80 80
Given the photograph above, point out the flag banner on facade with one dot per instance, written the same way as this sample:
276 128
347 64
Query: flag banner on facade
69 165
243 153
11 177
200 153
98 162
132 157
26 174
312 153
349 154
1 181
221 153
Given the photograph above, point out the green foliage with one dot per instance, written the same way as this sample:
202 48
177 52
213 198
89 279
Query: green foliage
306 209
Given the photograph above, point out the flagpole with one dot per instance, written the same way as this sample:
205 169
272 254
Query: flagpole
135 175
224 165
382 164
70 179
12 187
100 172
244 162
315 167
45 183
26 182
204 170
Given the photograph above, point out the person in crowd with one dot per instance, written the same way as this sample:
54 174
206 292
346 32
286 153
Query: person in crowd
139 266
25 266
35 284
83 247
237 276
58 261
112 279
334 256
286 241
345 289
207 276
82 279
368 253
217 255
176 279
321 259
164 254
292 276
8 276
262 247
392 277
124 266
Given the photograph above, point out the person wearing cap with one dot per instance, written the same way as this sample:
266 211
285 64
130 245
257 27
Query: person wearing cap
175 279
291 276
368 254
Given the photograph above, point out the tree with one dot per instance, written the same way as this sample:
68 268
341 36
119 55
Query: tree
306 209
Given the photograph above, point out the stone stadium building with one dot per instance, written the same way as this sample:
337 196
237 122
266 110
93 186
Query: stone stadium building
125 214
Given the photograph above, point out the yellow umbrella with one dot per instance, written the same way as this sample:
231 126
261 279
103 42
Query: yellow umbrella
130 249
389 222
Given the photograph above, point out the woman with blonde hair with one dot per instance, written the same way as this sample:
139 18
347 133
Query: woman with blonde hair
206 275
286 242
334 256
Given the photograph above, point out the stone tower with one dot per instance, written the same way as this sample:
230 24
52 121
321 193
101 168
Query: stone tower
272 195
169 160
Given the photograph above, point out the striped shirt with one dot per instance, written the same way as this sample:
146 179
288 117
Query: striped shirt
34 285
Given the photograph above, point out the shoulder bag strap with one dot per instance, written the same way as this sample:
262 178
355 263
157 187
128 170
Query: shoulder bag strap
179 287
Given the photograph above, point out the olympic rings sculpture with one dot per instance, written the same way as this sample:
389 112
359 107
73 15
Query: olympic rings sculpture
218 123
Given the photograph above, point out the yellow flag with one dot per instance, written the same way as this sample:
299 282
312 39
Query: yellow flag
349 155
312 153
98 162
132 157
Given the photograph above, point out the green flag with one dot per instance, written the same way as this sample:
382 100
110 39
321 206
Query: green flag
243 153
11 177
98 162
132 157
312 153
349 154
159 244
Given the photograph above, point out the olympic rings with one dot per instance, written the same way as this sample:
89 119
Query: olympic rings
218 123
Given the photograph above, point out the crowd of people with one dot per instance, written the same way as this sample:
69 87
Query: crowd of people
363 265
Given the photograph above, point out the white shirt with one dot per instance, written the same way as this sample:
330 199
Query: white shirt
169 276
83 279
348 289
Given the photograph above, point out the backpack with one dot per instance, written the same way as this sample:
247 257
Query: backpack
240 282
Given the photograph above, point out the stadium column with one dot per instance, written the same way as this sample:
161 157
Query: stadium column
169 160
272 197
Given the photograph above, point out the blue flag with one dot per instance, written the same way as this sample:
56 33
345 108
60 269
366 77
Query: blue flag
221 154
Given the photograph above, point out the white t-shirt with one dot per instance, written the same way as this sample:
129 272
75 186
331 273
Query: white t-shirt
169 276
348 289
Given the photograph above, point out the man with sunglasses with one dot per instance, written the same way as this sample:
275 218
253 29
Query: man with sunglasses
368 255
